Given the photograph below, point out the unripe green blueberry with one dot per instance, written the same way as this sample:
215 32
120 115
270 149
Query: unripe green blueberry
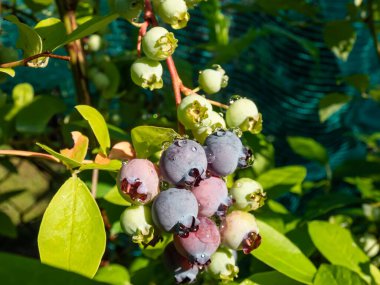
158 43
94 43
147 73
247 194
129 9
212 80
216 122
239 231
370 244
136 221
173 12
193 111
223 265
244 114
101 80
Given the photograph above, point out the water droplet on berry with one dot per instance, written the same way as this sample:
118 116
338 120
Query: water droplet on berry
220 132
210 156
237 131
181 143
194 149
234 98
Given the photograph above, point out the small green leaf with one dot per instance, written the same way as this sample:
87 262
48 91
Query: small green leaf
8 71
331 104
52 32
16 270
38 5
281 180
91 26
280 253
337 246
336 275
31 120
97 124
70 163
340 37
22 95
72 235
271 278
113 165
148 140
113 196
7 228
114 274
309 149
79 151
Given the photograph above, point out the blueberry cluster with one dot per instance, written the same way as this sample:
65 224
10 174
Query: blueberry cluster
208 222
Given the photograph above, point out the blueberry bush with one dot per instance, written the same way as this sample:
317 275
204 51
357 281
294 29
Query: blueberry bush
135 168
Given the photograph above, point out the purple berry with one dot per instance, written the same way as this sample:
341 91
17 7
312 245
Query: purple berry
184 271
199 246
175 210
239 231
225 153
183 163
212 197
138 181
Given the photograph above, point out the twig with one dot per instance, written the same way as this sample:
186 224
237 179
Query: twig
24 62
187 91
28 154
94 182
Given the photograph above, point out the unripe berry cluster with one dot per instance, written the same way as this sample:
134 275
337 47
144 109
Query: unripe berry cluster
208 222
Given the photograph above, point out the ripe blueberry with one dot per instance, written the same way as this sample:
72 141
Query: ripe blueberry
183 163
176 210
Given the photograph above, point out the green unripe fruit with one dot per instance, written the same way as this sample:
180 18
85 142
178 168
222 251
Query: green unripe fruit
244 114
147 73
94 43
136 221
248 195
223 265
101 81
193 112
129 9
216 121
173 12
158 43
212 80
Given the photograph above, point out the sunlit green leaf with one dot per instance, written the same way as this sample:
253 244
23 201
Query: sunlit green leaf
70 163
72 234
8 71
52 32
22 95
114 274
113 165
271 278
336 275
97 124
331 104
280 253
113 196
79 151
309 149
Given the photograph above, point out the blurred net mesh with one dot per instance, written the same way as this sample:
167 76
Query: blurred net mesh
278 73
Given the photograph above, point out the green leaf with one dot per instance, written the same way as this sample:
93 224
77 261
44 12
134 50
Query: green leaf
95 24
22 95
280 253
70 163
360 82
8 71
97 124
79 151
52 32
29 40
31 120
114 274
113 196
301 238
309 149
37 5
271 278
340 37
281 180
113 165
337 246
72 235
148 140
336 275
331 104
16 270
7 228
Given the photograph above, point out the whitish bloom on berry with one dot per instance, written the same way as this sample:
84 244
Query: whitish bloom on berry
173 12
212 80
147 73
244 114
216 122
247 194
193 112
136 221
129 9
158 43
223 265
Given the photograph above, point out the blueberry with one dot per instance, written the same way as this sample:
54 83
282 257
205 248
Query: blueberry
212 197
225 153
138 181
175 210
184 271
199 246
183 163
